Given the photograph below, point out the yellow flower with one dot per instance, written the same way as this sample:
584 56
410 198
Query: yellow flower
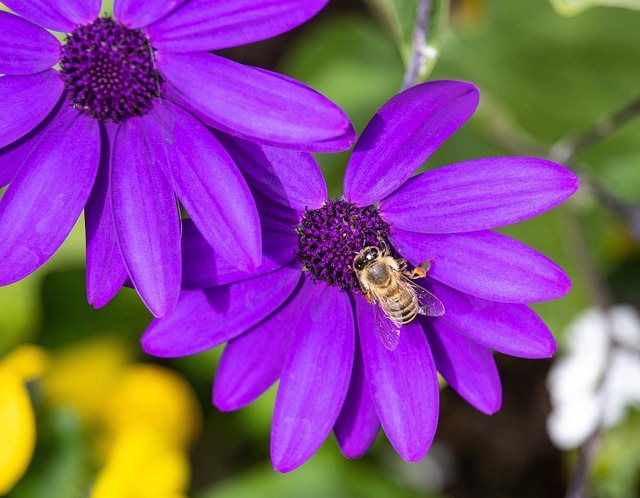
141 465
144 418
18 434
150 420
84 375
156 398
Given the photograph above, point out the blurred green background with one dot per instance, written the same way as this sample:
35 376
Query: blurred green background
544 78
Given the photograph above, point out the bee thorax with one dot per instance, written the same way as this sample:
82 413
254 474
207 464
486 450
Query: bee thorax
379 274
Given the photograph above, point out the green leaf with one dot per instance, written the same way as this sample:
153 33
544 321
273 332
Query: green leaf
616 469
322 476
555 76
21 311
61 464
620 174
573 7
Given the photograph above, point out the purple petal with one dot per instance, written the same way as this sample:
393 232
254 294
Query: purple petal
485 264
140 13
467 366
358 423
13 156
57 15
79 11
253 362
337 144
207 318
403 384
286 176
203 25
480 194
208 184
512 329
41 12
105 268
26 102
46 196
203 266
314 380
268 209
403 134
253 103
146 215
24 47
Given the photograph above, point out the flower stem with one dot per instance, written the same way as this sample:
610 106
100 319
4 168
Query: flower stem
417 63
565 153
600 131
578 483
580 249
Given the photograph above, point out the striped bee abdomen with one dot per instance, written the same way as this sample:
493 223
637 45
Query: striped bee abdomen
402 305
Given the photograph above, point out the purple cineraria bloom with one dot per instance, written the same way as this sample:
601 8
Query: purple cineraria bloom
303 319
121 131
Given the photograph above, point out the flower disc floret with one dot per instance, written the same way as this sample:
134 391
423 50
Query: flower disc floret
330 237
109 71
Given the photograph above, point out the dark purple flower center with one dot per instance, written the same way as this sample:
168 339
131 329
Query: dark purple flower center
109 71
330 237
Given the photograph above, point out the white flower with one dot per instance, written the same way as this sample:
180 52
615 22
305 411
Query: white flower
598 378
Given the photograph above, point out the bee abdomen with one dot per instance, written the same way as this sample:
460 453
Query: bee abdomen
409 313
405 306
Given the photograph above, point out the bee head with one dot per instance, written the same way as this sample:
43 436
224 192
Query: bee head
372 253
367 254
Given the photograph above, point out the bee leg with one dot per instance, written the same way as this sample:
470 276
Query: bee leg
425 265
418 272
368 296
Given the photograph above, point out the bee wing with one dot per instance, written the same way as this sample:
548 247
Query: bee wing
428 304
388 329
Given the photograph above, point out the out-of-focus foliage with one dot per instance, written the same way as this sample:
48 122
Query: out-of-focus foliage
615 472
326 477
573 7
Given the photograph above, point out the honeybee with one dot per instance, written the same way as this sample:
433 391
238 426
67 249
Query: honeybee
386 283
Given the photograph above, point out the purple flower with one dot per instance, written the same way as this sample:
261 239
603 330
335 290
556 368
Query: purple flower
120 131
303 320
